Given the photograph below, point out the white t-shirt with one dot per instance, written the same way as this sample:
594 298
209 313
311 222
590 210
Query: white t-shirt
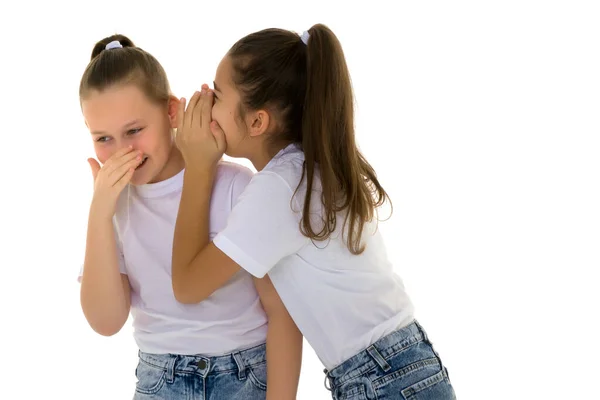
342 303
232 318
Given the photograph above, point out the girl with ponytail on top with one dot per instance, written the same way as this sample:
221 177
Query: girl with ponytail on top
212 349
307 221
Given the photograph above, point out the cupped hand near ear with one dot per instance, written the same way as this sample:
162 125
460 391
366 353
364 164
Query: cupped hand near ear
200 140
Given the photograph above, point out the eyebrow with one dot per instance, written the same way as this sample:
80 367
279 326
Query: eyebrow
127 125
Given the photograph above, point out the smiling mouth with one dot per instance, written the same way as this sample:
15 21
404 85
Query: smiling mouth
142 163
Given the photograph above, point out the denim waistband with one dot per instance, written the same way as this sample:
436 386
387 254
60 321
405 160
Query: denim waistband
375 354
238 360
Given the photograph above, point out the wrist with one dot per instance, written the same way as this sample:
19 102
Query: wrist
99 213
199 175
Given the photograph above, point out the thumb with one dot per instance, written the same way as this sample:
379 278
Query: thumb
94 166
219 136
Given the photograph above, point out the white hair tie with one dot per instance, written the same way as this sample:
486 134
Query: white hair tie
115 44
304 37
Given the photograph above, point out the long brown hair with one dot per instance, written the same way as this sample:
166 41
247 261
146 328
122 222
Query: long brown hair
308 86
126 65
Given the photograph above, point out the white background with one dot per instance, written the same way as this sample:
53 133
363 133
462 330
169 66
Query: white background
481 118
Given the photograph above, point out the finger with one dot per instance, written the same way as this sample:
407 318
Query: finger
207 106
95 166
198 117
118 154
219 136
121 170
121 152
118 173
125 179
115 162
180 114
190 110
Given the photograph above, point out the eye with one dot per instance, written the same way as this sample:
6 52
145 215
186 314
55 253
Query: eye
134 131
103 139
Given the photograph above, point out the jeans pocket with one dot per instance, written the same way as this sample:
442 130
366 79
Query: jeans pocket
435 387
352 391
150 379
257 374
407 378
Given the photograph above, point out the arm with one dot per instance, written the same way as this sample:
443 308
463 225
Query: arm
199 268
105 292
261 230
191 249
284 344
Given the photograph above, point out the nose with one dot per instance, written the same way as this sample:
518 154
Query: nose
123 143
126 146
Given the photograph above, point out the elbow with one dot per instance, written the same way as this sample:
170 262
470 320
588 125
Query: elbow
104 322
185 294
179 287
182 297
107 328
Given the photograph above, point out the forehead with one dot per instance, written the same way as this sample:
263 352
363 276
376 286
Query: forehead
115 105
223 75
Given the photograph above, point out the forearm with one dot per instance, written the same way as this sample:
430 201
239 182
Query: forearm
284 344
284 357
104 300
192 226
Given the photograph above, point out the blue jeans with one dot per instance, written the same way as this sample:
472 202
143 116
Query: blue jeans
402 365
240 375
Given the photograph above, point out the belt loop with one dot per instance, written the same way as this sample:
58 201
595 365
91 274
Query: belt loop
378 358
423 333
237 357
327 380
171 368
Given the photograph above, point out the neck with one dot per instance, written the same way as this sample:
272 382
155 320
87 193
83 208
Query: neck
266 154
173 166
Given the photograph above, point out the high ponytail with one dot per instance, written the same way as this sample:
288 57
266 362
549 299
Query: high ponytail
349 183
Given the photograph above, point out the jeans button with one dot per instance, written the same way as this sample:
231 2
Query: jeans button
202 364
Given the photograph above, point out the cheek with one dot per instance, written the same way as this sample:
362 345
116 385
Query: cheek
103 153
156 143
216 114
226 118
223 115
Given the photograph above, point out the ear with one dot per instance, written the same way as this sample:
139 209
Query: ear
258 122
173 105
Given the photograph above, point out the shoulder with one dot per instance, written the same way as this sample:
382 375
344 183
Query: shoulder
227 170
286 166
232 179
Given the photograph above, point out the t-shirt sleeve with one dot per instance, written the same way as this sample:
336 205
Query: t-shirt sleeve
240 181
120 255
262 228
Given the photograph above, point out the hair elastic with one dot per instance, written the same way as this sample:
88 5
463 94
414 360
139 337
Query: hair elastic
115 44
304 37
